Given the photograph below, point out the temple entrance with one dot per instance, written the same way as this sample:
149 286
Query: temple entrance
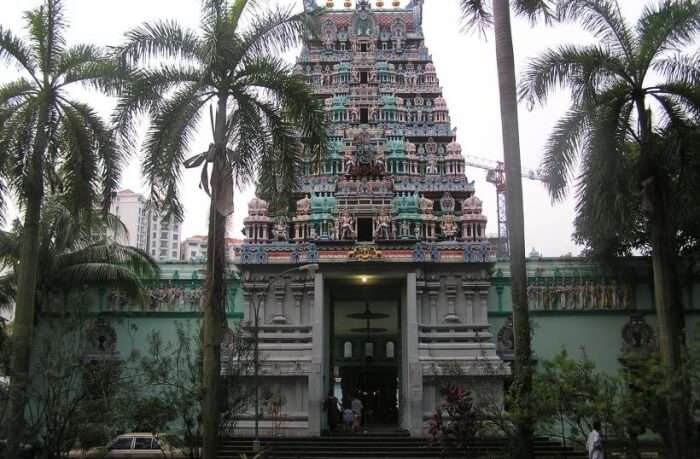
365 340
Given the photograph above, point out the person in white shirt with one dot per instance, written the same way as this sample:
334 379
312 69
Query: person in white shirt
594 443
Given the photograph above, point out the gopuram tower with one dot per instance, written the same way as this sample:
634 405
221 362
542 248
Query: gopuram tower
375 284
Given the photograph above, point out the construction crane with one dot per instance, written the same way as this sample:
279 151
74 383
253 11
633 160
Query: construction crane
496 174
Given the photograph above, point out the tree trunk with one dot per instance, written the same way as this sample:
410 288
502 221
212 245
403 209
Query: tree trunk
670 333
215 295
516 233
655 195
26 291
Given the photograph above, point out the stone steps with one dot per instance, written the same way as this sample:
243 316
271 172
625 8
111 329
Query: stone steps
380 447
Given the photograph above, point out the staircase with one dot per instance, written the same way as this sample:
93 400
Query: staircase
380 446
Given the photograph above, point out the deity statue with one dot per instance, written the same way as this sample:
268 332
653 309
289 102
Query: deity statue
349 161
426 205
347 227
280 231
431 168
379 161
383 229
449 227
405 228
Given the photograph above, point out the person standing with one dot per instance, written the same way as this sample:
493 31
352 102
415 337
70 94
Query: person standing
594 443
357 408
333 411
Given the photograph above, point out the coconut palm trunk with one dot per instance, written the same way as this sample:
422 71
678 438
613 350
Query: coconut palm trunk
26 291
516 233
656 197
216 289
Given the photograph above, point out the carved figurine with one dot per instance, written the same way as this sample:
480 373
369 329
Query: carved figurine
383 230
347 227
449 227
280 231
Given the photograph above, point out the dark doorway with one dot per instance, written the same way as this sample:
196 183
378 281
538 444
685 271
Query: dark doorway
364 229
376 387
364 115
363 77
363 47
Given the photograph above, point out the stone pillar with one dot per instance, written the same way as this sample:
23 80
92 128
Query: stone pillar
318 370
469 300
484 306
411 372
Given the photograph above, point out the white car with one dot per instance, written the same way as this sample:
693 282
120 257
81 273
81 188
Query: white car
136 446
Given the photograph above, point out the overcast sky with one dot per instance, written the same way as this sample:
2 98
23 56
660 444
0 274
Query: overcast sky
466 66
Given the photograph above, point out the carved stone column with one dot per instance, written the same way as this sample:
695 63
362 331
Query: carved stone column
280 316
469 300
433 287
451 294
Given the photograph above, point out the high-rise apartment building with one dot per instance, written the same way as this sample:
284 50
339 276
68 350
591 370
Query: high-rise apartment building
194 248
152 232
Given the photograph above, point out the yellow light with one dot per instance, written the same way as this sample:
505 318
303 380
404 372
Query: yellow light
364 279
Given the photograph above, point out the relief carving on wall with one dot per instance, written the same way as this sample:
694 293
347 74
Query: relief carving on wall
578 293
638 336
364 253
101 339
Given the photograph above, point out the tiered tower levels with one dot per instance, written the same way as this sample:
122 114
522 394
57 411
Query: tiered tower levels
392 170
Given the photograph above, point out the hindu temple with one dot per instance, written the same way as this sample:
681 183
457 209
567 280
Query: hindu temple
375 284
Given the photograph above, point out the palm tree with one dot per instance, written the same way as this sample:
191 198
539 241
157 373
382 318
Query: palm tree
482 14
46 133
254 102
615 83
75 250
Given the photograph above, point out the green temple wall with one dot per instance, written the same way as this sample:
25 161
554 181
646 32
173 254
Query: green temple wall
595 330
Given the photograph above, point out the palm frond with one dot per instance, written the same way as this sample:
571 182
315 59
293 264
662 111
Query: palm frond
78 169
685 94
8 292
99 274
581 68
246 138
107 153
604 20
607 181
167 142
16 92
13 48
160 40
301 106
90 67
9 249
133 258
143 92
535 9
679 67
273 31
666 26
476 15
562 149
46 25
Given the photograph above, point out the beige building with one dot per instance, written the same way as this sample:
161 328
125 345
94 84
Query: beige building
157 235
194 248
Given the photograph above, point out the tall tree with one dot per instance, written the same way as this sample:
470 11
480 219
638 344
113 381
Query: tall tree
617 84
256 105
45 134
482 14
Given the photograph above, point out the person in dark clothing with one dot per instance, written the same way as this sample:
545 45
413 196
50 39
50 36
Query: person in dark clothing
332 407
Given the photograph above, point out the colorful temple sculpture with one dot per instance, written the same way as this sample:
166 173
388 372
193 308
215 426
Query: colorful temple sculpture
376 283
